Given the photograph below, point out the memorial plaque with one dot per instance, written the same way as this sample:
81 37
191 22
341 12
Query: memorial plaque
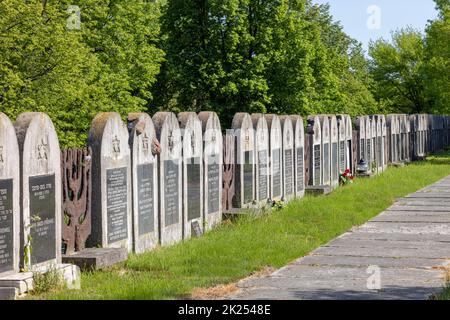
326 161
276 163
317 164
145 198
171 194
369 154
288 173
342 152
193 188
334 159
6 226
262 174
196 230
214 184
248 177
42 218
300 170
117 204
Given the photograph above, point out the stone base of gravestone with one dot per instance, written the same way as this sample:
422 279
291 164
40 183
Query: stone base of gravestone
23 282
318 190
96 258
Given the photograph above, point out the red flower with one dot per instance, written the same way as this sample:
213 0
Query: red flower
347 171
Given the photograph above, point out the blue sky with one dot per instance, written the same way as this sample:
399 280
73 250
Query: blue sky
393 14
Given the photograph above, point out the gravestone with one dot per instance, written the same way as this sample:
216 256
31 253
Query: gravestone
244 168
326 150
349 155
342 148
212 169
111 183
369 145
261 158
275 146
379 152
385 155
288 158
314 131
144 173
404 137
334 137
392 125
9 198
168 134
192 142
360 125
299 155
373 130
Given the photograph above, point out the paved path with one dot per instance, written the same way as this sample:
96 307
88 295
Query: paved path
409 242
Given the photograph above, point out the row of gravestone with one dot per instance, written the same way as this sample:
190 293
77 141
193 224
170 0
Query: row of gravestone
160 180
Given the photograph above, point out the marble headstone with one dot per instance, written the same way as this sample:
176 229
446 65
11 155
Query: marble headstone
314 131
261 158
326 150
385 157
275 153
192 141
378 144
212 169
299 155
369 144
242 127
111 183
9 198
391 122
349 143
144 172
41 192
342 149
168 134
360 125
334 163
288 157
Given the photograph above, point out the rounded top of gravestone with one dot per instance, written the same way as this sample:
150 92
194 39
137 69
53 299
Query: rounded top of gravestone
209 120
192 132
273 121
297 122
9 149
341 126
325 123
288 132
241 120
38 142
360 123
261 130
169 134
334 128
373 126
368 127
142 135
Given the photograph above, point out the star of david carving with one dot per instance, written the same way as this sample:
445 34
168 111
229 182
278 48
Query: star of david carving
42 149
116 145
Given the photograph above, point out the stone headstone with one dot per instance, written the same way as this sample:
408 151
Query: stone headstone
288 157
299 155
404 137
378 143
385 156
212 169
326 150
192 137
349 155
168 134
261 158
244 168
314 131
342 149
360 124
111 183
373 129
369 144
393 132
9 198
275 153
144 173
41 195
334 163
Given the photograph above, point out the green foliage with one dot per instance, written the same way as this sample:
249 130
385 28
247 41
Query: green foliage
47 281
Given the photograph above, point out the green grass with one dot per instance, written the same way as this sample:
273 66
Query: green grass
235 250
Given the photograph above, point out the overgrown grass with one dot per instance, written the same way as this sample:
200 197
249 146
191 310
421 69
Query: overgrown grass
235 250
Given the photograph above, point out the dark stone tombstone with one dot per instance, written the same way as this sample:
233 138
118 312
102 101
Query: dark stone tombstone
144 171
192 136
9 198
288 158
349 155
275 147
299 155
314 131
244 169
360 124
261 159
168 134
326 150
334 137
212 169
41 191
111 183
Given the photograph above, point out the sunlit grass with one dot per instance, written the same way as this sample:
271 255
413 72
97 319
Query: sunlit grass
236 249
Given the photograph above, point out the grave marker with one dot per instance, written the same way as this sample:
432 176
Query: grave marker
342 150
334 137
349 138
144 170
299 155
326 150
275 146
314 131
261 158
288 158
192 137
9 198
168 134
212 168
